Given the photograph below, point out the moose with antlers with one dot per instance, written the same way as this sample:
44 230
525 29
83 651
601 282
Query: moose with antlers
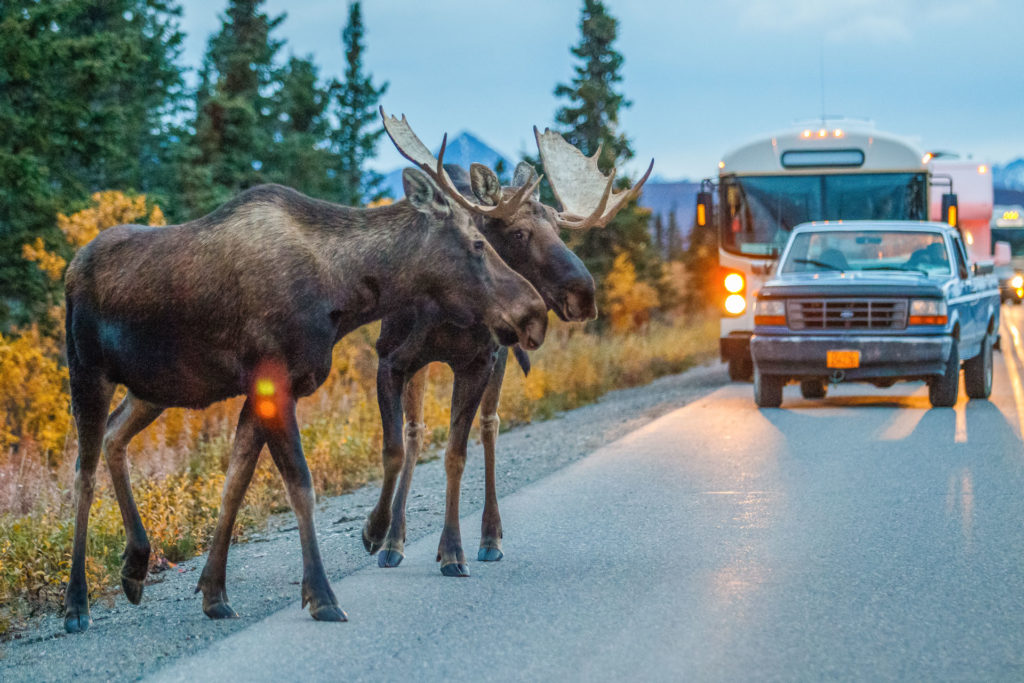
525 234
250 300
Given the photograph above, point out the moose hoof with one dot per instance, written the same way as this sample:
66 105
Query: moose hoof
132 589
458 570
372 546
328 613
489 555
219 610
77 621
390 558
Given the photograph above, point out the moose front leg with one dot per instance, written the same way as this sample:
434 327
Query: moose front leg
490 528
389 399
282 433
466 394
245 453
393 551
131 417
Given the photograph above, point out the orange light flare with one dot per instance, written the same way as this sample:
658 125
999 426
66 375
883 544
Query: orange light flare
270 392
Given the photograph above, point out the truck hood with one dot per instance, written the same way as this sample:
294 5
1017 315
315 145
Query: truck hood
855 283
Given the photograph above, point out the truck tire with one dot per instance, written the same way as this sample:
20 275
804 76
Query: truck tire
740 369
812 388
978 371
768 389
944 389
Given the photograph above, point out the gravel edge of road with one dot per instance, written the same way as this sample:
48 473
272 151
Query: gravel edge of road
128 642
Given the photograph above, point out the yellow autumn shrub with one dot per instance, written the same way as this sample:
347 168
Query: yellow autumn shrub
629 302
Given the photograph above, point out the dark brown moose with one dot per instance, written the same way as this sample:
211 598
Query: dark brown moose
250 300
525 233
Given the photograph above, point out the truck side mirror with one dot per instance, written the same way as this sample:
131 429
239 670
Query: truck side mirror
984 268
705 205
1001 253
949 209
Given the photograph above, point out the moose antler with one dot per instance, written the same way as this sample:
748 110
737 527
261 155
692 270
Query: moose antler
584 192
415 151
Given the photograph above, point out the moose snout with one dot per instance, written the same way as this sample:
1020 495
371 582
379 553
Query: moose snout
532 329
579 301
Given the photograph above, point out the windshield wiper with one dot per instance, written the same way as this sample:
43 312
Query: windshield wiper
903 269
820 264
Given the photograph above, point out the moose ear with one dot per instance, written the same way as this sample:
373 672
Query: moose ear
423 194
485 184
526 174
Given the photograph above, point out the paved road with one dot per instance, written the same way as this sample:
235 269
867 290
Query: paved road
862 537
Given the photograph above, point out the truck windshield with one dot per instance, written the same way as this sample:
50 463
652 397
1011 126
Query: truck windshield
759 211
868 250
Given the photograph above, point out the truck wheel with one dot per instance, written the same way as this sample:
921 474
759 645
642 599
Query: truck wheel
978 371
768 390
944 389
740 369
812 388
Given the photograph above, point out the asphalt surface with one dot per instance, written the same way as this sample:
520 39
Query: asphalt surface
863 537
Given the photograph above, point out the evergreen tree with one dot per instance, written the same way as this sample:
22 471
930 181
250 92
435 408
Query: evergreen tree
675 238
299 158
235 114
355 140
590 119
701 259
86 89
659 236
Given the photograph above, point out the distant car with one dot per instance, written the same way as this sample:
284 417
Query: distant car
1011 284
875 301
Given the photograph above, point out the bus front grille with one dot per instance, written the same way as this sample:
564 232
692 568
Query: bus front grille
846 314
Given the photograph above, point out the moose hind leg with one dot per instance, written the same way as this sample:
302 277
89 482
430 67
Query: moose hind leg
245 453
131 417
90 402
286 449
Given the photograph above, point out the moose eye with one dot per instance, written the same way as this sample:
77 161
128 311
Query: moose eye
478 245
519 236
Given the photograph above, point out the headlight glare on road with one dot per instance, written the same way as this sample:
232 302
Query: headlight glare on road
927 312
735 304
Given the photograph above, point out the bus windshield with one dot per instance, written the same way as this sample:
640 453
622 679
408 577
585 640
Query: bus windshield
1015 236
759 211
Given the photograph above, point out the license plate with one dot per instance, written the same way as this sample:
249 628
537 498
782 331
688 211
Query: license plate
843 360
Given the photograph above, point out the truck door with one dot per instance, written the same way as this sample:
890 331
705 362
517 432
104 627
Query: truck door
969 304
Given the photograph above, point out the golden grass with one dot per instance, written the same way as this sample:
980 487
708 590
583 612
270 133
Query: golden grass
178 463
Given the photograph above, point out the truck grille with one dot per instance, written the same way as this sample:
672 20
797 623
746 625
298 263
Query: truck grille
846 314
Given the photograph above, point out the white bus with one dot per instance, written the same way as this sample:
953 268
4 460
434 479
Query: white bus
838 171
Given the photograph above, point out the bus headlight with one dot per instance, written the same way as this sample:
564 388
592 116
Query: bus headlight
734 283
770 312
735 304
928 312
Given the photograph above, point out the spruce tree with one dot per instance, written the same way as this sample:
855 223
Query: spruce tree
86 90
590 119
359 130
235 115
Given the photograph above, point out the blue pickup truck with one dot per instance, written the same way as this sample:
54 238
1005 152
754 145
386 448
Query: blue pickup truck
875 301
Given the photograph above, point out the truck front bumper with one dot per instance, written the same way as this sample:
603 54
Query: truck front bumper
880 356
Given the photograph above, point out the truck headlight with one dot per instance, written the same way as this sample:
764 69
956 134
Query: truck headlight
1017 282
928 312
770 312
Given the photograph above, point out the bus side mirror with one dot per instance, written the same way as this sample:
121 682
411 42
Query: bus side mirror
704 207
1001 253
949 212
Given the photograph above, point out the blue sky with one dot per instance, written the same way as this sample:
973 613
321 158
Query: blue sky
703 76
